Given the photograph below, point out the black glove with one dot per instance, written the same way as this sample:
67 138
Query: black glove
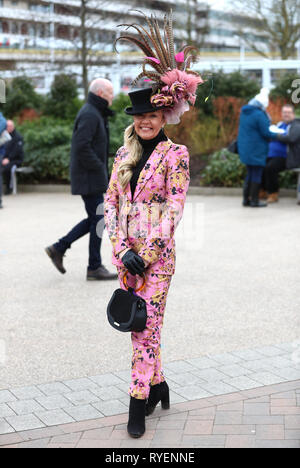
134 263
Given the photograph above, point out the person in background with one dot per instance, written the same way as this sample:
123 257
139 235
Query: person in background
292 139
89 177
253 141
3 125
14 154
276 161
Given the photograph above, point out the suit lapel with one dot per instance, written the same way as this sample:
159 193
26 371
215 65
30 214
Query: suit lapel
148 170
150 167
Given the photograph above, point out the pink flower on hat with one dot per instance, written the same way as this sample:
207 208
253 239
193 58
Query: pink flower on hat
191 81
160 100
179 90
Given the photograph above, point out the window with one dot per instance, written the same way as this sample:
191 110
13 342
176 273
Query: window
24 29
40 8
32 30
42 31
4 27
14 28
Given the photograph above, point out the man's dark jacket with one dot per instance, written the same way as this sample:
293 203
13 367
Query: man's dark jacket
14 150
293 140
90 148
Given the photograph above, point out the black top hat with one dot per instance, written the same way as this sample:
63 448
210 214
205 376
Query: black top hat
141 103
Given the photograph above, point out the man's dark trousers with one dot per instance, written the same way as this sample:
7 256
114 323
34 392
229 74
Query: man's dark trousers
6 171
273 168
92 226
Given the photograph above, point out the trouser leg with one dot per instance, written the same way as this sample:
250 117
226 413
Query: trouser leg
94 209
256 173
86 226
78 231
246 189
7 177
1 181
248 174
146 359
273 169
264 177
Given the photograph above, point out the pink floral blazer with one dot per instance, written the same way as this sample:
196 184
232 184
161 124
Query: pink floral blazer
147 221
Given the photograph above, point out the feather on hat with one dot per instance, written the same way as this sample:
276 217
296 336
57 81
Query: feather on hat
174 83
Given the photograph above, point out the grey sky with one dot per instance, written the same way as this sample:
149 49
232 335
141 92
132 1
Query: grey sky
218 3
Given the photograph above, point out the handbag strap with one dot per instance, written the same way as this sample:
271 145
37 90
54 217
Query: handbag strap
126 284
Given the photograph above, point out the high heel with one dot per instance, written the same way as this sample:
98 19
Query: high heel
158 393
137 411
165 400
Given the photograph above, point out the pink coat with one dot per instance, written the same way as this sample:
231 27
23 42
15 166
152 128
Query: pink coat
146 223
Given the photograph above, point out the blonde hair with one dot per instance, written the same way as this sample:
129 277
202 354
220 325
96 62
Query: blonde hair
135 149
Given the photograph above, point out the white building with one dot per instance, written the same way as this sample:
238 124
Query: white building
42 37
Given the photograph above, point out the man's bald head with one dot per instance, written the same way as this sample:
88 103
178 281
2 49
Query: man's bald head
10 126
103 88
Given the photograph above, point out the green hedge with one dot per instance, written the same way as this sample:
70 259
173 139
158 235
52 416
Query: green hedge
224 169
47 149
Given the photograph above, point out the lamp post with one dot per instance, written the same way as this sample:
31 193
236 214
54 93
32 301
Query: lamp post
298 52
242 47
117 74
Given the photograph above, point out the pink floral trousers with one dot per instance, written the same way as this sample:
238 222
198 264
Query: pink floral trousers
146 367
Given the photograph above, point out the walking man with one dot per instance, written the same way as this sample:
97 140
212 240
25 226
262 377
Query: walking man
89 177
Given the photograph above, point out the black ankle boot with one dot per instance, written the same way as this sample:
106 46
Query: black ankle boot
246 193
159 392
255 201
137 412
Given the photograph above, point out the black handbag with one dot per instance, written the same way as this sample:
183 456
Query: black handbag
126 311
233 147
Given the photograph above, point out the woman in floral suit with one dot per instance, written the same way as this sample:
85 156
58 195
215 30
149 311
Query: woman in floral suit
143 205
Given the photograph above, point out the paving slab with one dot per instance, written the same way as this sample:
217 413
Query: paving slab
25 422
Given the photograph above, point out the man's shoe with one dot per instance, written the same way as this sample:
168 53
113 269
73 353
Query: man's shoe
8 191
263 195
273 197
100 274
56 257
1 206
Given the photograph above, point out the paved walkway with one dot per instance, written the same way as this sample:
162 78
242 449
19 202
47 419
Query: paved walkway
239 270
199 388
265 417
239 332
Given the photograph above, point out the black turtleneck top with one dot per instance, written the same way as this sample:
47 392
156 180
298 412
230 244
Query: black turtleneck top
148 148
